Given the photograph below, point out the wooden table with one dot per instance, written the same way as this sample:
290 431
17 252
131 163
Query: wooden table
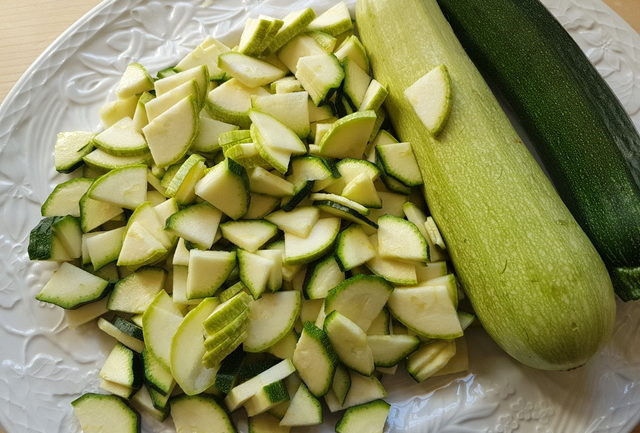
29 26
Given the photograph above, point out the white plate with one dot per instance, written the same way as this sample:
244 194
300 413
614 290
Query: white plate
43 365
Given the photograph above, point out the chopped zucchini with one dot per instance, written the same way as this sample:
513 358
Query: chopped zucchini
123 366
65 198
200 414
349 342
197 223
105 413
315 359
365 418
70 148
70 287
271 318
346 299
320 75
226 186
316 244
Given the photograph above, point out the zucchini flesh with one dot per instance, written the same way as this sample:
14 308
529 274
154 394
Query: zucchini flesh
576 123
534 279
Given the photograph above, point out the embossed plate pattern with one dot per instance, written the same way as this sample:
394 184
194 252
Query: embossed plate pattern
44 365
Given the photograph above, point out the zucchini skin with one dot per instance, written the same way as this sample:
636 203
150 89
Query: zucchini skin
575 122
535 280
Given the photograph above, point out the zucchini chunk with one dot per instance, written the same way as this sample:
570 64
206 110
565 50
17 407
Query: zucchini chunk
200 413
226 186
70 287
71 148
271 318
366 418
105 413
345 297
315 359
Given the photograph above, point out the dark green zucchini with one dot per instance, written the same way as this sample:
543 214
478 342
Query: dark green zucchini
576 124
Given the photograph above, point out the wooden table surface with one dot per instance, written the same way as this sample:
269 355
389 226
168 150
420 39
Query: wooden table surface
29 26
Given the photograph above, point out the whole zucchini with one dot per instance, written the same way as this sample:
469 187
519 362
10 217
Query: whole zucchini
575 122
534 278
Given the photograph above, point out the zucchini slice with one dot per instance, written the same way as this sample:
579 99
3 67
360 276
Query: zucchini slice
100 159
341 383
140 247
243 392
200 413
266 423
293 23
315 359
105 413
364 389
397 161
157 376
65 198
348 137
230 102
121 139
271 318
208 270
399 239
345 298
254 271
70 287
123 366
226 186
380 325
248 234
159 324
353 248
301 192
187 349
333 21
351 48
426 310
298 221
268 397
365 418
198 73
430 97
349 342
304 409
261 205
104 247
182 185
209 134
124 187
275 135
204 54
430 358
134 293
284 348
71 148
264 182
291 109
320 75
390 350
124 331
85 313
197 223
316 244
374 96
356 82
171 133
248 70
322 277
155 107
